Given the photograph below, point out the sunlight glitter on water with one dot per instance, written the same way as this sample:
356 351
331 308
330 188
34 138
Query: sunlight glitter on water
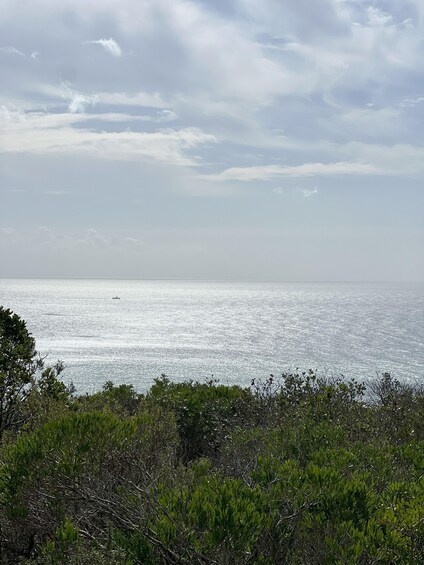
233 331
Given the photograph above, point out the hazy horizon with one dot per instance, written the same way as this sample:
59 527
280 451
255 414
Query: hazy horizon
234 280
212 140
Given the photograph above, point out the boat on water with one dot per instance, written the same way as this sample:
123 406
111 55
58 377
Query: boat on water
116 298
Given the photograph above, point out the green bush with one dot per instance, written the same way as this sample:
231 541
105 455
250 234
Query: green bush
122 400
205 412
91 467
211 517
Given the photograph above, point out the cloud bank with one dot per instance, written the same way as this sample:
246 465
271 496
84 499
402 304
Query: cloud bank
198 108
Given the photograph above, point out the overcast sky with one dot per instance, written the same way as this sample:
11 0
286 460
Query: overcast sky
230 139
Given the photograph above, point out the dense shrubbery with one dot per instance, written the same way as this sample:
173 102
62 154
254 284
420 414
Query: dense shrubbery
299 469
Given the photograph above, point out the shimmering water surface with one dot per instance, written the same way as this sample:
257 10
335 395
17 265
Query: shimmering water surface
233 331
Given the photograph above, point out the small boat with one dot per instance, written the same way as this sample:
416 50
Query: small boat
116 298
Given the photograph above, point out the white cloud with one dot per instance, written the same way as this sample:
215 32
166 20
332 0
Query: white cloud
10 114
53 241
399 159
11 51
77 101
112 98
55 192
167 116
378 18
307 192
41 133
268 172
110 45
411 101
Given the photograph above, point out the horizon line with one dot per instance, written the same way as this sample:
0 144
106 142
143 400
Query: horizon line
209 279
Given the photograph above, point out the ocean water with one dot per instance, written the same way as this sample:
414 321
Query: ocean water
230 331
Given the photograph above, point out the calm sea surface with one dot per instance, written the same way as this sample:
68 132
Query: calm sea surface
233 331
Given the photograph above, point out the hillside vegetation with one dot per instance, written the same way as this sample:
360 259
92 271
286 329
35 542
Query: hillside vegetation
299 469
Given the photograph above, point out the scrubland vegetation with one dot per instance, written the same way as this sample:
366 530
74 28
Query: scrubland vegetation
299 469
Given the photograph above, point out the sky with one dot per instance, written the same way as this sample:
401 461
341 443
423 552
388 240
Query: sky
212 139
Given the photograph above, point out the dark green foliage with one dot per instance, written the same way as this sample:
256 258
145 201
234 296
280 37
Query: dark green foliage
18 365
122 400
401 408
17 348
26 390
93 486
92 467
205 412
211 517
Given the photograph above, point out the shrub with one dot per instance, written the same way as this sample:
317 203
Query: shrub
122 400
205 412
95 468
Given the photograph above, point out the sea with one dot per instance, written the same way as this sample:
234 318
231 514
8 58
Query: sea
232 332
